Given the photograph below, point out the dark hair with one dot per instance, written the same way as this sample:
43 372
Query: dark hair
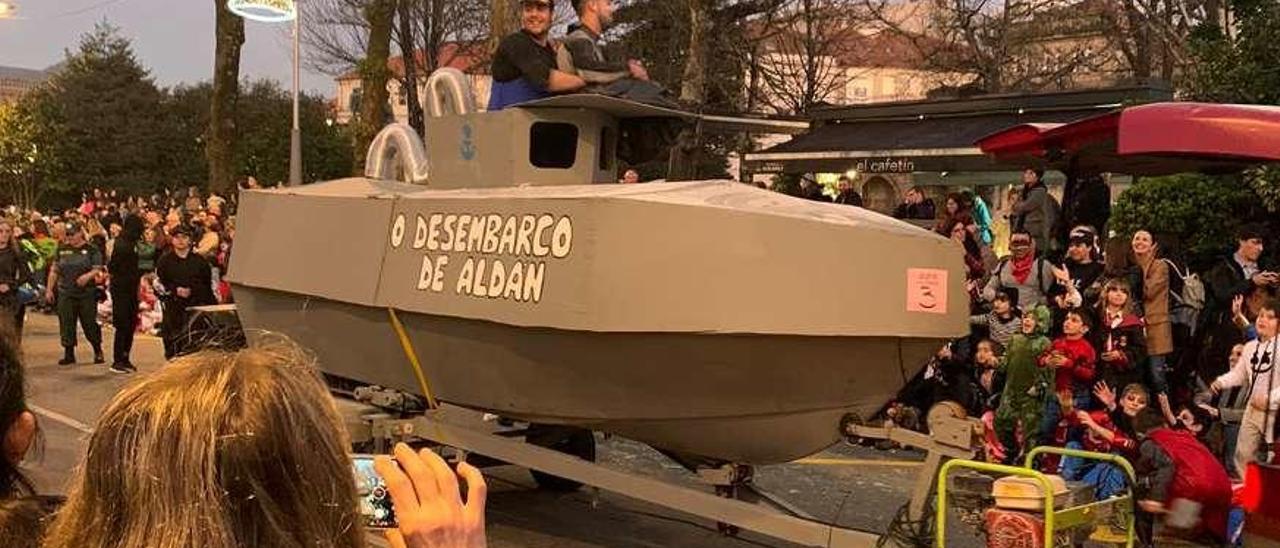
917 189
40 226
1272 304
971 246
1250 232
22 521
13 403
1203 418
1085 318
1008 293
1116 259
962 205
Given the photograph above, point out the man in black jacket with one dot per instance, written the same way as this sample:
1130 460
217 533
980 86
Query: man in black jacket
915 205
188 281
1235 275
125 277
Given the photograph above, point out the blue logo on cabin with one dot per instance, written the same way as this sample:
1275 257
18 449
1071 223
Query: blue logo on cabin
467 148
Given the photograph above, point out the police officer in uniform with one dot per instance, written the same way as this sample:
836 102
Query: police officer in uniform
73 281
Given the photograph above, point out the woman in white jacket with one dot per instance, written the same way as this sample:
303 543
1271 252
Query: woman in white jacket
1256 370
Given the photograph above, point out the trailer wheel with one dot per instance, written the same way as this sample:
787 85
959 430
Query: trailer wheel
565 439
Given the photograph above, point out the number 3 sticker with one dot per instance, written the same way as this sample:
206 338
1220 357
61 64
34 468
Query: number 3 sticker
927 290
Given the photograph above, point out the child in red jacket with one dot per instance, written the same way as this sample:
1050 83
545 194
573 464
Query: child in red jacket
1073 359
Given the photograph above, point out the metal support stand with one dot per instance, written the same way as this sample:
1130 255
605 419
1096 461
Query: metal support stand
736 502
951 436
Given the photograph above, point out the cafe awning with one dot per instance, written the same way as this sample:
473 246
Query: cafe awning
1152 139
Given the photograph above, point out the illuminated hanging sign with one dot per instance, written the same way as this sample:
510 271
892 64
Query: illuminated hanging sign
267 11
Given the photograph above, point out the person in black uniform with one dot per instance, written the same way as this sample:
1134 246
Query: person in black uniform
72 280
14 272
187 279
125 277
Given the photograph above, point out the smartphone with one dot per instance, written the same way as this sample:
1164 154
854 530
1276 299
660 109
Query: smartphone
375 501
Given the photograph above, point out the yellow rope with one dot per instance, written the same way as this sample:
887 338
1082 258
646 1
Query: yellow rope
407 345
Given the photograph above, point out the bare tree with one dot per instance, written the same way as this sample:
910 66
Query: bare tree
374 74
429 34
1006 45
802 59
1152 34
229 37
409 62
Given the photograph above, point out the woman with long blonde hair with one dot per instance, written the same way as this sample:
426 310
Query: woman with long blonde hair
223 449
217 449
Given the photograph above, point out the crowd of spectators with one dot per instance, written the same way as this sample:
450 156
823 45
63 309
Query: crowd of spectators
1084 339
135 262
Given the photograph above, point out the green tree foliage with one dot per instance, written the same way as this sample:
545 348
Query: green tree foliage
1200 213
261 146
1241 67
101 104
1238 67
23 159
101 122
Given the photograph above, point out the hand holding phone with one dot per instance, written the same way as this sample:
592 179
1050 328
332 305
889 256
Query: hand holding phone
429 507
375 502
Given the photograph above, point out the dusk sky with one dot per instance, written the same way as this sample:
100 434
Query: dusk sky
173 38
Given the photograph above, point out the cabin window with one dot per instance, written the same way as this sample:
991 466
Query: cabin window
553 145
606 148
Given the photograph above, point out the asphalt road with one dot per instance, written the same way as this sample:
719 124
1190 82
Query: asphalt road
853 487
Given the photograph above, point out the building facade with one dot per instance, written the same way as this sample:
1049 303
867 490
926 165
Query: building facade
15 82
466 58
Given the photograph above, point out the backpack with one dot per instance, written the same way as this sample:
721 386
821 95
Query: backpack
1188 301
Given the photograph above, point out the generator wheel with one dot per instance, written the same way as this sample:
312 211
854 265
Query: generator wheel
569 440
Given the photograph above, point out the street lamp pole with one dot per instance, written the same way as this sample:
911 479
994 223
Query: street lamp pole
295 135
277 11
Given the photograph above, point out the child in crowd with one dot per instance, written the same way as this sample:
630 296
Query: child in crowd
1103 435
150 313
1003 320
1072 360
1121 340
1256 371
1175 468
1228 406
1124 411
1023 399
989 384
986 371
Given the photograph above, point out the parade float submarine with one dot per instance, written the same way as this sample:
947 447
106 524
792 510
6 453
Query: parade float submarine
706 318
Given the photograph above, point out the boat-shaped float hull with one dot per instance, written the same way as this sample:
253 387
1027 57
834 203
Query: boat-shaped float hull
708 318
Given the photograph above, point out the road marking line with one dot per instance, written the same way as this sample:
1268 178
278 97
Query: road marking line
59 417
858 462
